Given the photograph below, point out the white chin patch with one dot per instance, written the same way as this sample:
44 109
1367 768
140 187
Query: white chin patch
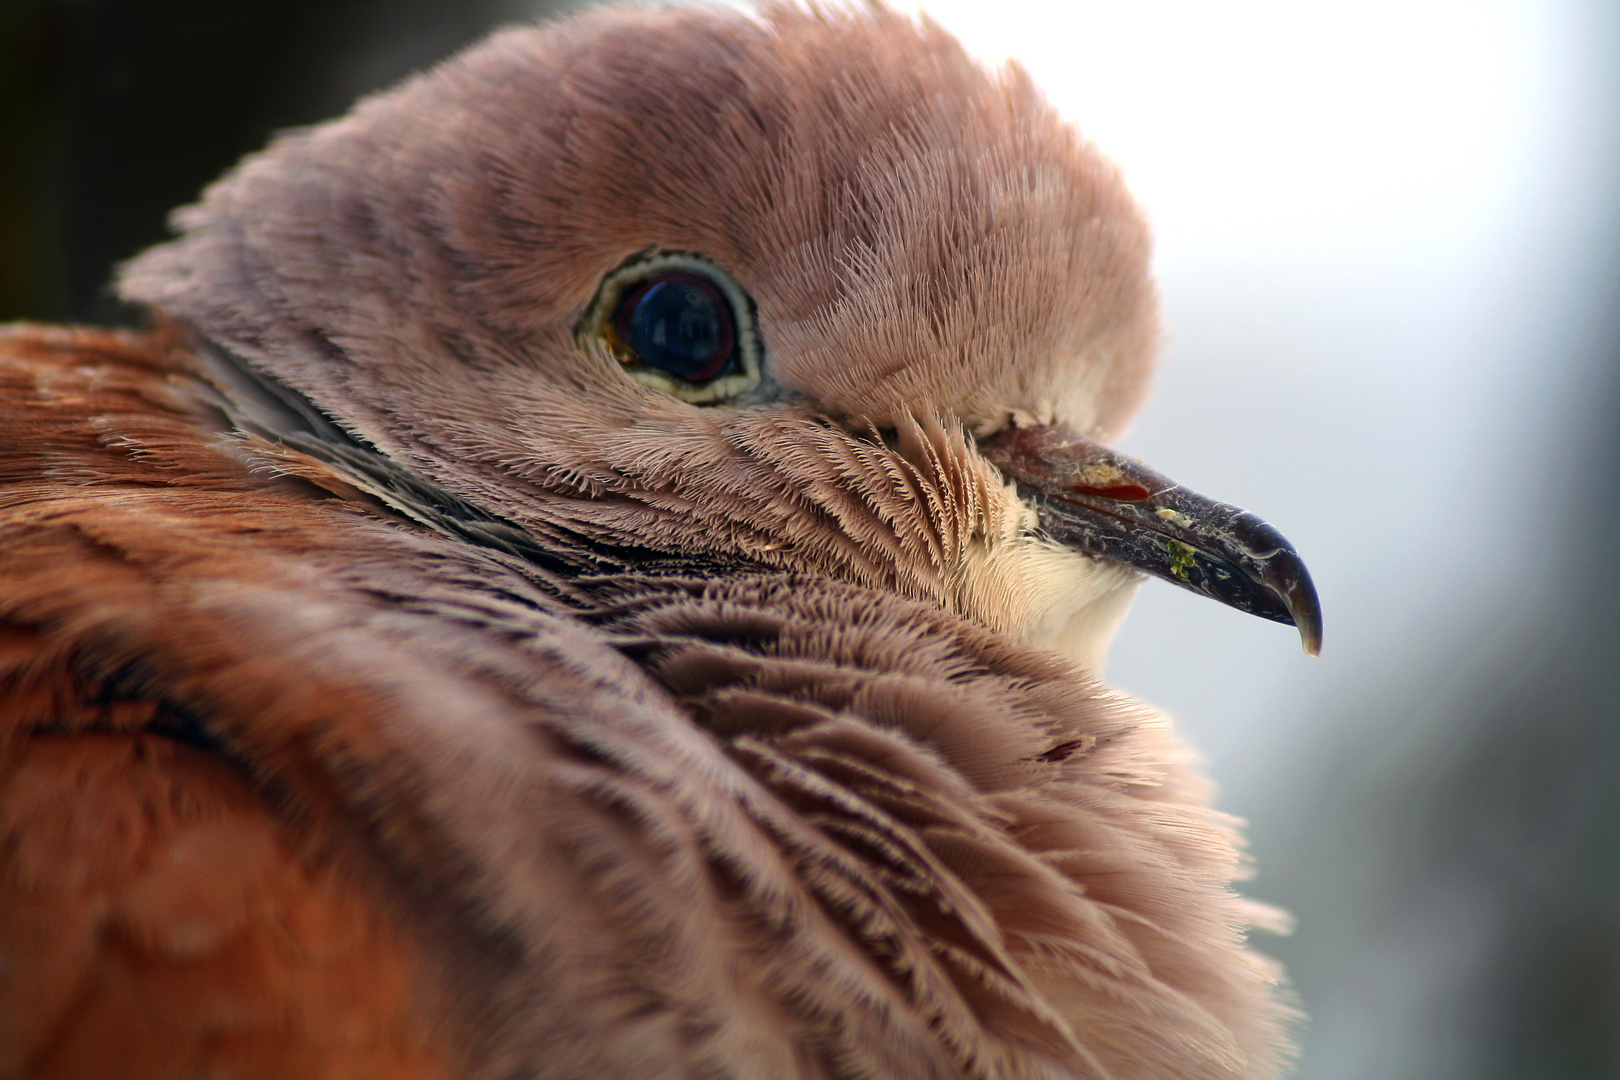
1078 604
1049 596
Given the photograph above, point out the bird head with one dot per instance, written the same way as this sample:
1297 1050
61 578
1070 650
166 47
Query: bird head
807 290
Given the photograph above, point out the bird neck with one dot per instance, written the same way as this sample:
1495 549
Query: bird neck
286 431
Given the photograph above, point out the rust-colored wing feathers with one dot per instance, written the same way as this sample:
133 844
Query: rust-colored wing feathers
162 923
157 919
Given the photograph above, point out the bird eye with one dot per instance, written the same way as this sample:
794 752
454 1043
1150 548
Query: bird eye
680 324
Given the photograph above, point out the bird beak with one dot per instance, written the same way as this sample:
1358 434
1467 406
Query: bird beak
1116 508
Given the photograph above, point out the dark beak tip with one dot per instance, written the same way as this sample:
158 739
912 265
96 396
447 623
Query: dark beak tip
1307 614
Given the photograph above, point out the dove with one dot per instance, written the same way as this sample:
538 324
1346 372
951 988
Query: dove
601 566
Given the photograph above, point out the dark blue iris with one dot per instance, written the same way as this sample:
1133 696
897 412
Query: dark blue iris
679 324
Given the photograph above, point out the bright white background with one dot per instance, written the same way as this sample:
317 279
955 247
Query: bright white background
1386 235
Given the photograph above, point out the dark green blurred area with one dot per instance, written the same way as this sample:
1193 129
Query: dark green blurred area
113 112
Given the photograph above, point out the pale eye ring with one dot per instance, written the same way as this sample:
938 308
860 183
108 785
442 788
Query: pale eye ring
677 323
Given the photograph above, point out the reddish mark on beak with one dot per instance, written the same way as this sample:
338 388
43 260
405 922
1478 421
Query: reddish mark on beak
1121 492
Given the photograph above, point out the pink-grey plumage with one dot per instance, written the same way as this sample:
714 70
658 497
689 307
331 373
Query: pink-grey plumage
397 678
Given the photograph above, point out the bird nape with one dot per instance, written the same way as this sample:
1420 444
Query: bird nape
598 569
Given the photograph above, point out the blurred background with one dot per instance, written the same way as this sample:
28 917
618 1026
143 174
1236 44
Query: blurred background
1389 245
